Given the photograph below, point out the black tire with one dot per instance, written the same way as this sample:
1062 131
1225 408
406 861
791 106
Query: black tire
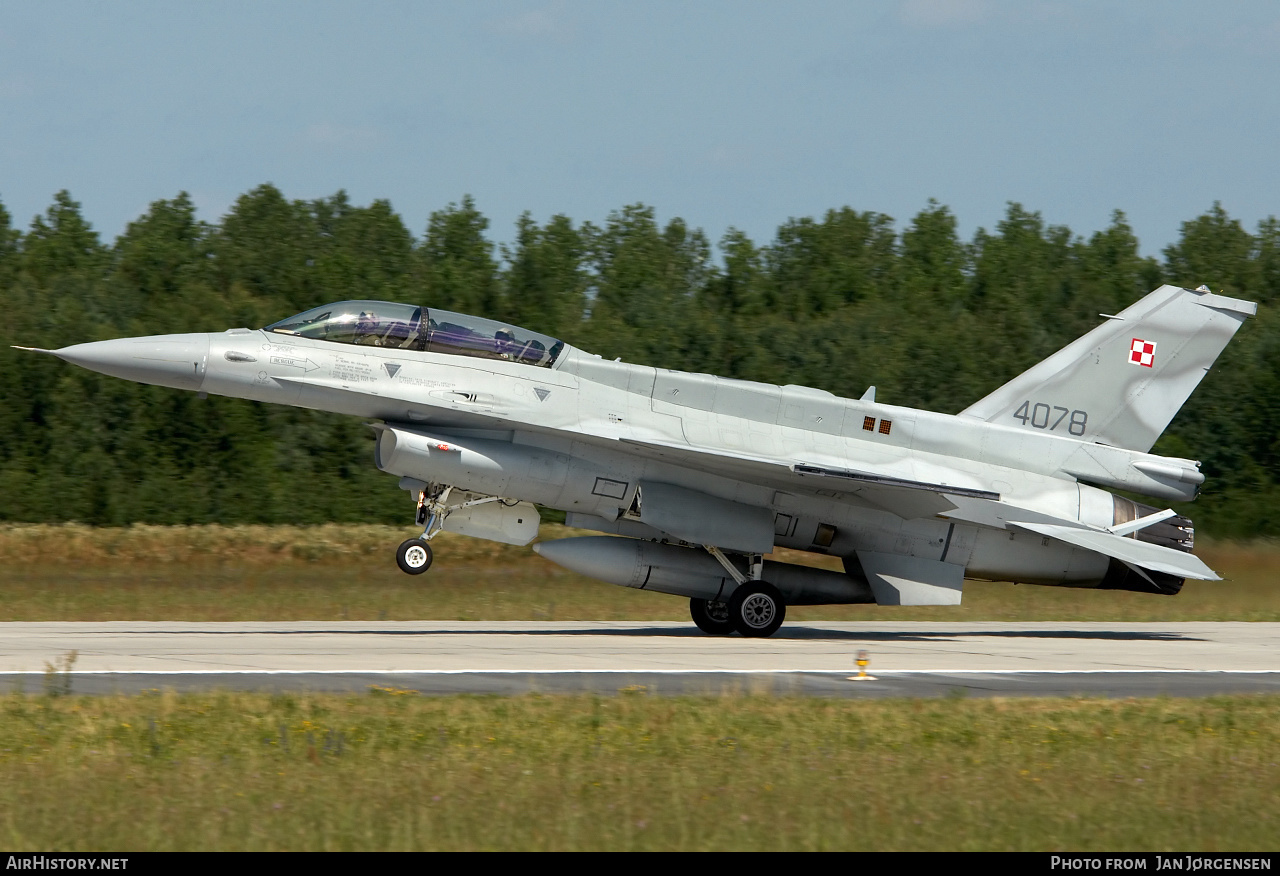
414 556
711 617
757 610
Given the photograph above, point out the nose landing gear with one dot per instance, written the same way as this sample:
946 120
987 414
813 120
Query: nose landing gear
434 507
414 555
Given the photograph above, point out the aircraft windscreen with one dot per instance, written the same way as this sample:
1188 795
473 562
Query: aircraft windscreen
384 324
366 323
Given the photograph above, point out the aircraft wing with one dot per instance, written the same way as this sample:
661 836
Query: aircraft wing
913 499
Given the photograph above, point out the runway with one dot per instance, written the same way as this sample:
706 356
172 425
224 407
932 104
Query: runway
436 657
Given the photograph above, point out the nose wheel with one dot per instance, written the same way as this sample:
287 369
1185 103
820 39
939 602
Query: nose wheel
414 556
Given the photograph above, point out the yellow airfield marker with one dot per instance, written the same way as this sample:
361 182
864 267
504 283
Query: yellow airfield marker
862 660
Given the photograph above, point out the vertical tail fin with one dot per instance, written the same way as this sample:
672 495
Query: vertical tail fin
1122 383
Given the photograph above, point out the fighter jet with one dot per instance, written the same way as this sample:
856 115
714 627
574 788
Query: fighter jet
696 478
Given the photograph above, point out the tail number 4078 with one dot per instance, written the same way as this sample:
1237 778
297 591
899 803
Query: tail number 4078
1043 416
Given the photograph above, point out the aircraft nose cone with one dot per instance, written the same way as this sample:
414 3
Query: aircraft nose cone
164 360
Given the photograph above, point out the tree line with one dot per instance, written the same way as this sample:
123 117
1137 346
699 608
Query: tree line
836 302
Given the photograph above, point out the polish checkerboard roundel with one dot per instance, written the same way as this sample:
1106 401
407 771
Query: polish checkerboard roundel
1142 353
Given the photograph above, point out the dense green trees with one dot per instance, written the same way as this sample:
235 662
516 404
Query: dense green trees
837 302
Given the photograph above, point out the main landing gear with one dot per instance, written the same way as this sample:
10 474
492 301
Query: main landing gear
710 616
755 609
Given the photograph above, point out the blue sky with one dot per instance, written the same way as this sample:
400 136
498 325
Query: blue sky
723 113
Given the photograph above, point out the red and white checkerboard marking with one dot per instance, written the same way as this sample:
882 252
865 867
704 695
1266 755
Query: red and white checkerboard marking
1142 353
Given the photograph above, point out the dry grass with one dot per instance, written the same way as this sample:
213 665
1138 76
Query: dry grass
215 573
74 544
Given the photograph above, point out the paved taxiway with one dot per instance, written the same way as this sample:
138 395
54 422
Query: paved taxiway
908 659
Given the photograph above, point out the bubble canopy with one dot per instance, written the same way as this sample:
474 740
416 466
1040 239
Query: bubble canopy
406 327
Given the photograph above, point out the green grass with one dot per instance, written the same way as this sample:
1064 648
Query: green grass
347 572
392 771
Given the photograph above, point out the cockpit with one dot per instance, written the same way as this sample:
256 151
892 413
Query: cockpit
406 327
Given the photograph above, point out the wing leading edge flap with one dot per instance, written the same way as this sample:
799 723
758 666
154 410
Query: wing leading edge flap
1128 550
907 499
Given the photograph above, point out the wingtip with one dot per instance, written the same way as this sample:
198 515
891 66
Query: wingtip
35 349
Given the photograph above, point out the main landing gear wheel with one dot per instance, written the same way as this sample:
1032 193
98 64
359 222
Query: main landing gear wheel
413 556
711 617
756 609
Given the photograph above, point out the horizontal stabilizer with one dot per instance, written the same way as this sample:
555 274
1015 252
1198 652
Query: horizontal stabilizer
1128 550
